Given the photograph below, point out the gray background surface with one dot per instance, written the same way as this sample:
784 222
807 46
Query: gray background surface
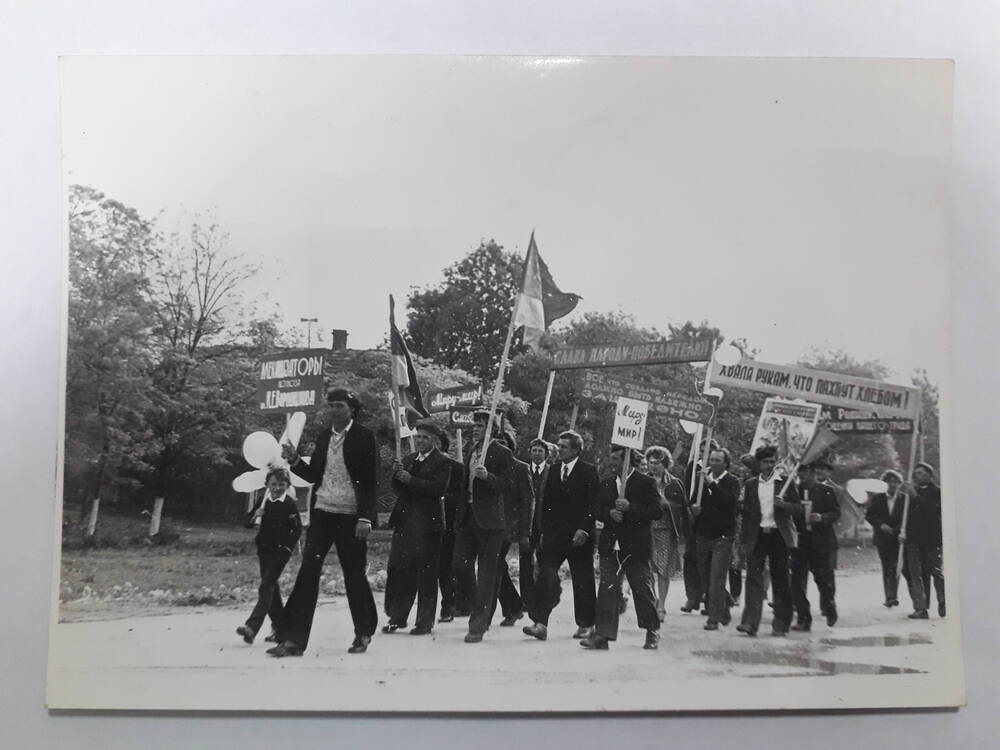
31 38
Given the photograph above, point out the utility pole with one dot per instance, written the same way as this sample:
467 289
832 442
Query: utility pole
309 329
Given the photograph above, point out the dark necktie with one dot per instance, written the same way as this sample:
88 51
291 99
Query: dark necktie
565 472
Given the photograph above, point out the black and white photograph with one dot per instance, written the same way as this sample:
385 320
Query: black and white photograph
485 384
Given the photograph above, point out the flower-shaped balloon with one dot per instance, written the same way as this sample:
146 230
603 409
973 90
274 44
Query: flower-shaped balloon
860 490
263 452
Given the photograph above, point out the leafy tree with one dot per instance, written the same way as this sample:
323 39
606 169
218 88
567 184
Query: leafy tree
463 321
107 373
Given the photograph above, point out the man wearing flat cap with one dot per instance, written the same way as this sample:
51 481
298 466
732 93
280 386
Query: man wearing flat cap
817 540
481 524
417 521
768 534
885 515
343 472
923 540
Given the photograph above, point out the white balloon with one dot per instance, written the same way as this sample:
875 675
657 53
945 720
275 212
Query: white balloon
260 449
298 481
728 355
293 429
249 481
689 427
859 489
715 391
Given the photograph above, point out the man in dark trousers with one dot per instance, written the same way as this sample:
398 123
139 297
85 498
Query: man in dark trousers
481 525
343 472
446 571
885 515
567 522
417 520
814 553
519 505
625 547
923 540
694 587
538 471
768 535
715 527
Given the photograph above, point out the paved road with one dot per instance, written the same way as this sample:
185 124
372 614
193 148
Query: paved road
194 660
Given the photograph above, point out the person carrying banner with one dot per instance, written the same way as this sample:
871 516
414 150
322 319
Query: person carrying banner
417 521
519 505
715 527
923 541
625 548
343 470
481 524
279 529
768 535
666 530
885 515
452 601
567 523
817 539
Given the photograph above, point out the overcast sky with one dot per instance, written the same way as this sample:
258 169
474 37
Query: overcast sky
796 203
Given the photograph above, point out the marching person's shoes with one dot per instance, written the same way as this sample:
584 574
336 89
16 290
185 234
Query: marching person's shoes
802 627
941 609
893 603
582 632
920 614
689 607
652 640
392 627
711 625
887 604
246 632
595 642
536 630
288 648
831 617
703 612
446 617
360 644
421 630
726 618
473 637
779 632
272 637
746 629
508 622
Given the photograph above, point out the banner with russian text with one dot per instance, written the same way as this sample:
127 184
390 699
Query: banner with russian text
291 381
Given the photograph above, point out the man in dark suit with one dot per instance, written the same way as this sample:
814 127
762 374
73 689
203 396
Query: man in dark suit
715 527
814 553
768 535
417 519
481 524
567 523
923 538
446 571
538 472
519 505
625 547
343 471
694 588
885 515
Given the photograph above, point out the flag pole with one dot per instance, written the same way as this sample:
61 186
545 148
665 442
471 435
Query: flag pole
498 386
545 406
711 429
395 381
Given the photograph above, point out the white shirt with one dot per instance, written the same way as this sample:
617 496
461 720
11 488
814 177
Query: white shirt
537 469
714 479
618 482
567 468
765 493
422 456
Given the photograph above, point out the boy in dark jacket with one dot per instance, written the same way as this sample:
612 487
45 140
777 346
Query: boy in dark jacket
280 529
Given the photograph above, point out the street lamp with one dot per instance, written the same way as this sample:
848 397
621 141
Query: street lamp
309 329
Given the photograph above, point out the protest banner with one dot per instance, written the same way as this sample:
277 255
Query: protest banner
631 417
599 386
460 417
863 422
446 399
291 381
818 386
621 355
787 426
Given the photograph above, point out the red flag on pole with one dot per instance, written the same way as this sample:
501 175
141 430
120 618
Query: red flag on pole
404 374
